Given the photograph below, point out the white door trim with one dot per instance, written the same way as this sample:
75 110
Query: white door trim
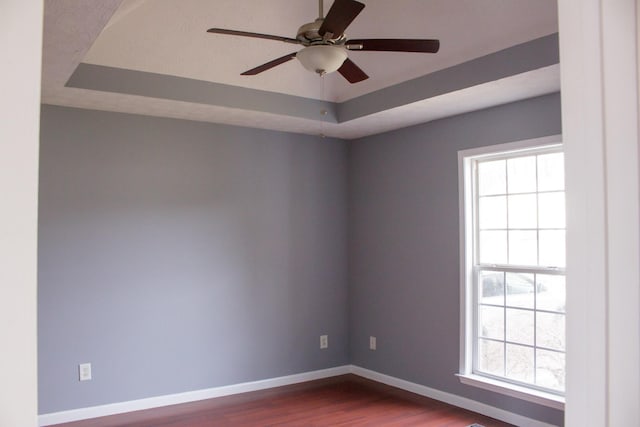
599 78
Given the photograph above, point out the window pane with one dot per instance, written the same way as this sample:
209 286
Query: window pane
522 174
523 247
552 249
551 212
493 247
491 287
520 228
522 211
493 212
551 172
520 363
550 330
551 292
520 290
491 324
520 326
492 178
491 357
550 369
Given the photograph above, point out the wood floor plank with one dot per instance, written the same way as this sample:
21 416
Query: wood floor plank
347 401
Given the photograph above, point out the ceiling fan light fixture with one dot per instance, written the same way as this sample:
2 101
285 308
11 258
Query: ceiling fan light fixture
327 45
322 59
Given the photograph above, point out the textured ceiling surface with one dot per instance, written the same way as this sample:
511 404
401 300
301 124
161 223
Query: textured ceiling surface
156 36
168 37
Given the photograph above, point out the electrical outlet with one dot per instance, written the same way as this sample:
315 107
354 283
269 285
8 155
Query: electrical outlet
372 343
84 371
324 341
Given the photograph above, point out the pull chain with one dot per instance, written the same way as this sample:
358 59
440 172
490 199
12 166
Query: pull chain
323 112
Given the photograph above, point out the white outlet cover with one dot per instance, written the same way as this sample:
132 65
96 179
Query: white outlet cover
372 343
84 371
324 341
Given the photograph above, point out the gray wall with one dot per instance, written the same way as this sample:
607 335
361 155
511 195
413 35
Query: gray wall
404 244
178 256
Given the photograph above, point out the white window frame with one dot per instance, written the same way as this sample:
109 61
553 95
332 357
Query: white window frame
467 273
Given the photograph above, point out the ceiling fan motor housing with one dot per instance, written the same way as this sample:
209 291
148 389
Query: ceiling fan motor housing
309 35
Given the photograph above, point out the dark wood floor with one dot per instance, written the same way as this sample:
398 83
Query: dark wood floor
346 400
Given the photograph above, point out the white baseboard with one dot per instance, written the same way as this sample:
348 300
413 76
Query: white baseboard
190 396
452 399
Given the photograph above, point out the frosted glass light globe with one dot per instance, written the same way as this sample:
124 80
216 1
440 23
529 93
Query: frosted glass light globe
322 58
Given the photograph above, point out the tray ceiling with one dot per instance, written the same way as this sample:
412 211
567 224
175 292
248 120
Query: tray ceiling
167 39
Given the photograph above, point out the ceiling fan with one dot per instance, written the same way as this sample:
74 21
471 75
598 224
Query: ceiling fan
326 45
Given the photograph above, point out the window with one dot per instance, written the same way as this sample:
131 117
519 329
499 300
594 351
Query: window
513 269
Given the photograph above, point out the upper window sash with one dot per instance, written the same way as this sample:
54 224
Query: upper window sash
472 199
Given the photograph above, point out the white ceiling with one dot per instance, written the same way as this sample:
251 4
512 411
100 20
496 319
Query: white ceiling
169 37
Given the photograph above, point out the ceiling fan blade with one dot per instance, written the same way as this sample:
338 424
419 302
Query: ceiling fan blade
255 35
341 14
264 67
352 72
395 45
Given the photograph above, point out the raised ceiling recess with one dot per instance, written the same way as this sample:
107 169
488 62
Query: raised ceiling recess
156 57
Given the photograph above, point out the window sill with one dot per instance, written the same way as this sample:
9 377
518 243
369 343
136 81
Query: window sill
534 396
